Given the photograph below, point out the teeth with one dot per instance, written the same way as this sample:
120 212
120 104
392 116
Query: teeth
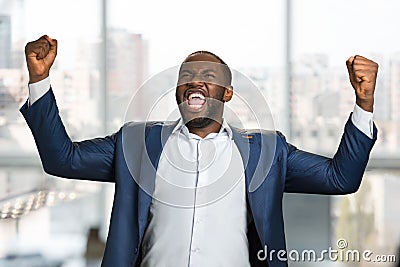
196 106
198 95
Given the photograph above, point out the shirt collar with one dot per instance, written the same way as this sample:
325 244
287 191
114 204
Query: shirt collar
180 127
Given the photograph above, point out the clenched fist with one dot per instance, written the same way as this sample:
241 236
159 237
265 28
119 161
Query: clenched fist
40 55
362 74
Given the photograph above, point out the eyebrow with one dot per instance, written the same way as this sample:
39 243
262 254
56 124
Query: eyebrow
209 70
202 71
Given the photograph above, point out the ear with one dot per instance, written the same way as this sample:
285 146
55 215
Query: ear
228 93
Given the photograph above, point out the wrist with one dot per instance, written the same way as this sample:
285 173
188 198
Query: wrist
365 104
37 78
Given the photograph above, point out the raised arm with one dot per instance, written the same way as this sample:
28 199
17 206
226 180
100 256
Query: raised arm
342 174
90 159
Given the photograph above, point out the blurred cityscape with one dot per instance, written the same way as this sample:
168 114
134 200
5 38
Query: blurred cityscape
321 99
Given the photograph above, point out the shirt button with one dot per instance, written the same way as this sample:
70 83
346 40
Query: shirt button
195 250
136 250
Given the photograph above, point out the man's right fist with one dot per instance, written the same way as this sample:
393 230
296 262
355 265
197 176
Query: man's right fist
40 55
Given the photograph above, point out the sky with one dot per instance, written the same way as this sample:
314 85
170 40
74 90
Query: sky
244 34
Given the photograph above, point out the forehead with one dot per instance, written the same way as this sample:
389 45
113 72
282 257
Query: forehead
201 62
202 57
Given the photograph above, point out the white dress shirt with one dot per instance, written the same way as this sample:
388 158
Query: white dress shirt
198 214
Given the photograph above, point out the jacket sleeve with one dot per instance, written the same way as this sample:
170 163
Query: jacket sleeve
90 160
342 174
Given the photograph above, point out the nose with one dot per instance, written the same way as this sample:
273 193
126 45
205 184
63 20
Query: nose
196 83
196 80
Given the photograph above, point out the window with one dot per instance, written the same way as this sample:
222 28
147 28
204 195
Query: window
293 51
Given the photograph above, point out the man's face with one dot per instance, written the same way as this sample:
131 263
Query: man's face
202 89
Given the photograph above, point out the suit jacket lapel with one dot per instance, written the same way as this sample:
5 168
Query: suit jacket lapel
249 146
155 138
249 151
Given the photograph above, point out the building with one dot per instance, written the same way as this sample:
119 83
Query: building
5 41
127 60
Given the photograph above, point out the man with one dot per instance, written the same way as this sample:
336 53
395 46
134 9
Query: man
183 193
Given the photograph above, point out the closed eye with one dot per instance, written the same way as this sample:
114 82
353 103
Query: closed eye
185 75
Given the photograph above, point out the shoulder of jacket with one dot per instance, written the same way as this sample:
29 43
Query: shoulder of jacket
147 124
269 137
257 132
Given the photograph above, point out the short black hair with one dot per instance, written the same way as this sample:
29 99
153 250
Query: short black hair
226 70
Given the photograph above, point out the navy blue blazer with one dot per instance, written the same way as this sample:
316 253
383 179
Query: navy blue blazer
287 169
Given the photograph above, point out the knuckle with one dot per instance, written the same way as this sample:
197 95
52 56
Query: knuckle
29 47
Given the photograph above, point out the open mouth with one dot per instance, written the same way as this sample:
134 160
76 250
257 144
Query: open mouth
195 99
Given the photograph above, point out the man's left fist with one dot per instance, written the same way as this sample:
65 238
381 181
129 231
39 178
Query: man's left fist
362 74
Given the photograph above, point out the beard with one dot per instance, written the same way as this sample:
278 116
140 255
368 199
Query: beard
201 122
